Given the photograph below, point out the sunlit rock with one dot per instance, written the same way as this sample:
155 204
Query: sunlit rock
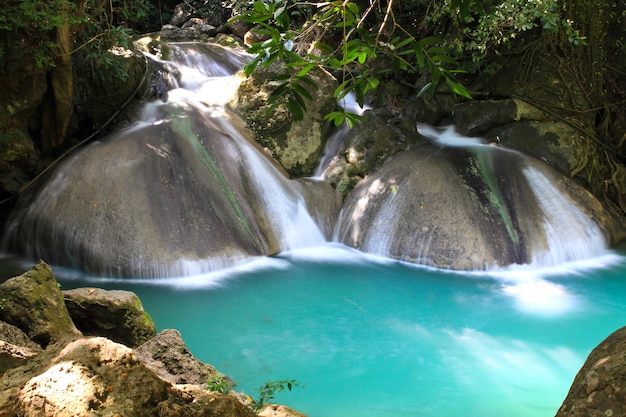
350 154
13 356
96 375
167 355
275 410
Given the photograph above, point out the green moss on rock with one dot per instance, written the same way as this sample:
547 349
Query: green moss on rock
34 303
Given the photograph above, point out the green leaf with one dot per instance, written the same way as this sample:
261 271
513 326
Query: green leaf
419 56
251 66
260 7
295 109
324 47
278 12
430 40
295 96
280 91
305 70
353 119
301 90
373 82
293 58
456 87
404 42
424 89
343 89
353 8
282 77
437 51
336 117
308 81
446 59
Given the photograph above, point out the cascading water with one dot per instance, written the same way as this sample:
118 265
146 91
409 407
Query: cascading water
335 140
204 80
570 234
366 336
465 205
181 191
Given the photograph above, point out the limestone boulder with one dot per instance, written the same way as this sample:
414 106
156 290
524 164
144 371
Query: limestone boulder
16 348
323 203
526 128
472 208
115 314
34 303
96 376
156 200
598 388
14 335
296 144
276 410
18 160
167 355
13 356
356 152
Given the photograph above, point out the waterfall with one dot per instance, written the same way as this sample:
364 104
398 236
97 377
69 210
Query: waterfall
181 191
336 139
570 234
184 190
205 77
566 234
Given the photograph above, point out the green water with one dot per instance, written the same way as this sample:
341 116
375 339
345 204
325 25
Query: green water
368 337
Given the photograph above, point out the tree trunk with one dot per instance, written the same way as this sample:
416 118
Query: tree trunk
59 108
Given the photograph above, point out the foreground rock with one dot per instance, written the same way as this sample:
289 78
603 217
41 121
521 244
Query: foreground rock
168 356
598 389
49 368
117 315
34 303
97 376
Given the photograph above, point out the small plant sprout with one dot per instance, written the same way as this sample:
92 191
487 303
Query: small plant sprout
268 391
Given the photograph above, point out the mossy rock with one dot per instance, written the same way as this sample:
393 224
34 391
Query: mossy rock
115 314
34 303
296 144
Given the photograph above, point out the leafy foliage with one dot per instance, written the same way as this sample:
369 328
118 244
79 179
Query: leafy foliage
219 384
97 26
107 30
361 44
367 45
491 25
35 19
268 391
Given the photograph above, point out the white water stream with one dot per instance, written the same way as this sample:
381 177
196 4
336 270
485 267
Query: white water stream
369 337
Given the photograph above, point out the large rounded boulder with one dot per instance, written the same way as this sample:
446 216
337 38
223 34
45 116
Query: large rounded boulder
467 208
183 193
